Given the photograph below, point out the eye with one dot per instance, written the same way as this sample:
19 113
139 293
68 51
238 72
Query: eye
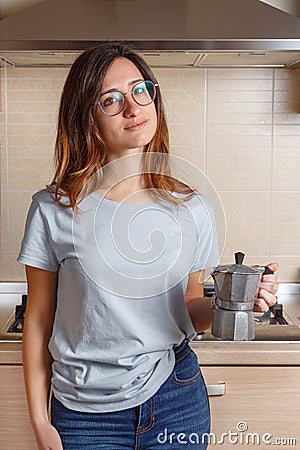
140 89
110 99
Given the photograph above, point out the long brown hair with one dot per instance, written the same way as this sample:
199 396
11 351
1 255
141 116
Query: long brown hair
80 150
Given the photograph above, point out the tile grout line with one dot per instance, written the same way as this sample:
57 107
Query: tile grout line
271 162
205 131
205 122
7 159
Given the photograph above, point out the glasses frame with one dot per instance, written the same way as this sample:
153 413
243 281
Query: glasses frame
132 95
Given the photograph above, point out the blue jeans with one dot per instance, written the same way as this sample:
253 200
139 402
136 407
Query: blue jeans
176 417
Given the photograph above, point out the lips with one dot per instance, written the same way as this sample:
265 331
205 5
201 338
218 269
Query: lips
136 125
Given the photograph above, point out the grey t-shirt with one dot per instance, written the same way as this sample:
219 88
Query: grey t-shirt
122 274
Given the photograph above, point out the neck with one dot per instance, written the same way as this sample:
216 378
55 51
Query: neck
126 170
122 176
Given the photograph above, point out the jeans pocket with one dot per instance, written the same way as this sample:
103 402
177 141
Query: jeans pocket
186 370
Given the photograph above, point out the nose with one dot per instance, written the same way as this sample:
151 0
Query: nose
131 107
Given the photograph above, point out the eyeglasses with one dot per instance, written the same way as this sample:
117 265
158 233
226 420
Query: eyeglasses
143 93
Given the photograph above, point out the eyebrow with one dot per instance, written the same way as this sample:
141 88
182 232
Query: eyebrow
131 83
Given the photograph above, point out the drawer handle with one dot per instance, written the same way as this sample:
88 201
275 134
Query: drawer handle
216 389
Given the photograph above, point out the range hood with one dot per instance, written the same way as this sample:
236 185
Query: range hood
168 33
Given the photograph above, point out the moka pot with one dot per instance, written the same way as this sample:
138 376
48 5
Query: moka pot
236 288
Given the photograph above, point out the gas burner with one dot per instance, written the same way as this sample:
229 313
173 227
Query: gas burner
272 317
17 325
12 310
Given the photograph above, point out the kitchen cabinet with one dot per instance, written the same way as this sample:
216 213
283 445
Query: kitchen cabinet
255 393
15 428
260 407
258 387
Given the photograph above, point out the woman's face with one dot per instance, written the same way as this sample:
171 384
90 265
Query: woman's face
134 127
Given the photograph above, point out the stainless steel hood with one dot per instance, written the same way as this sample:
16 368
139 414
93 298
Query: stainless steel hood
174 33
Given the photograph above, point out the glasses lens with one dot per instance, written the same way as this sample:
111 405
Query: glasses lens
111 103
144 93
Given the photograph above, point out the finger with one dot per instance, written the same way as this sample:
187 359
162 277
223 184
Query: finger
265 295
274 266
269 286
260 305
271 277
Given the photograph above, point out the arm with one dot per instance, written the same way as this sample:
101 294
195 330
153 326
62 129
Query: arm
38 323
199 307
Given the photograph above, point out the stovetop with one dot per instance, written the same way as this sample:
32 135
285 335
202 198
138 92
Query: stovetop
12 306
280 323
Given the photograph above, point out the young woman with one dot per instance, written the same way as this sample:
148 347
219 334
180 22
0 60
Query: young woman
112 302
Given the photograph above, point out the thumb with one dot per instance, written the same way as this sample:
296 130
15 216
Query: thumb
273 266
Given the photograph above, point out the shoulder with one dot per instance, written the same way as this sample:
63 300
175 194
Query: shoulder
47 208
42 197
45 199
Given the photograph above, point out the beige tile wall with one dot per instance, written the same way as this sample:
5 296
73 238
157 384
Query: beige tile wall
241 127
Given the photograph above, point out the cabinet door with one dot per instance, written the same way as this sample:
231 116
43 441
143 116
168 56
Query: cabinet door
15 428
259 409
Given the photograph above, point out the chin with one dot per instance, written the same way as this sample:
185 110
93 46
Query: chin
145 140
138 144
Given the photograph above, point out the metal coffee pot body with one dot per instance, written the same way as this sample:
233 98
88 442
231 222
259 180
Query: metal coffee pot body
236 289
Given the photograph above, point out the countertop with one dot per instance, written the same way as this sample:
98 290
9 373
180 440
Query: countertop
209 353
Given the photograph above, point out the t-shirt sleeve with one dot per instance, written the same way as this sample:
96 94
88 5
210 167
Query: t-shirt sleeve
37 247
207 253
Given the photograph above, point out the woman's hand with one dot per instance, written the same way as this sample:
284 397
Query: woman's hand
47 437
267 290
